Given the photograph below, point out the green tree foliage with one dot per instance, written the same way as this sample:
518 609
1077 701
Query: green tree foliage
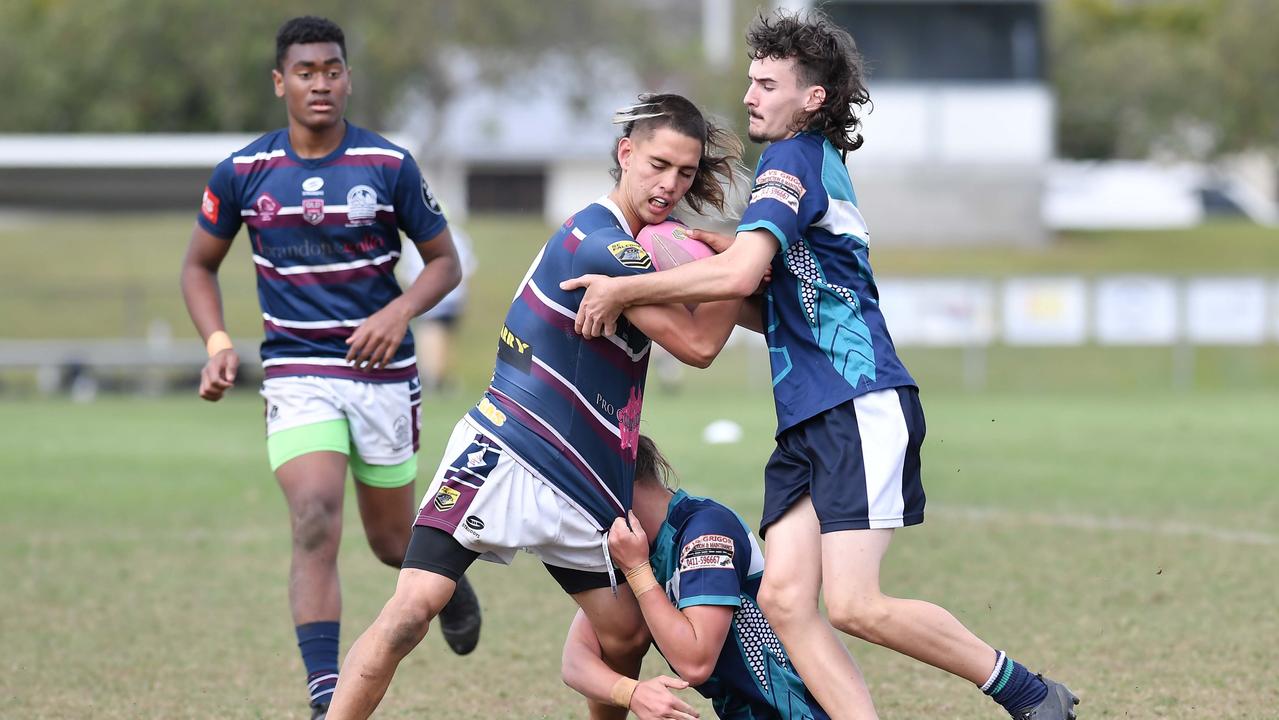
203 65
1191 77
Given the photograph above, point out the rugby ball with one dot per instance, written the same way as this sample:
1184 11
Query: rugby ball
670 245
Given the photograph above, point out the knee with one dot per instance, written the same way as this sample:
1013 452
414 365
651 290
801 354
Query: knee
317 525
404 621
625 643
785 605
864 616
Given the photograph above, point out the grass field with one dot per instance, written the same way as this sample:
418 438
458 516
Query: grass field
1099 525
1124 543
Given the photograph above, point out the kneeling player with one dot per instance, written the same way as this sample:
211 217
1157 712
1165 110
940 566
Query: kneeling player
696 587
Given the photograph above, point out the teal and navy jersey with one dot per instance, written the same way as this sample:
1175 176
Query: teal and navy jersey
567 405
826 335
326 236
705 555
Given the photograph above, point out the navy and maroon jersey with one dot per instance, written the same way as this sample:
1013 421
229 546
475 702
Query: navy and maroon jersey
705 555
567 405
826 336
326 237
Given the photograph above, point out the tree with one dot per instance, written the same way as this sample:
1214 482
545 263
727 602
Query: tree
1194 78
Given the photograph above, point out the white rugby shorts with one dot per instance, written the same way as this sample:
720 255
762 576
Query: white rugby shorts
494 503
383 417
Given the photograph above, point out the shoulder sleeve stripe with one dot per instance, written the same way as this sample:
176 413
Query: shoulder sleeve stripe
375 151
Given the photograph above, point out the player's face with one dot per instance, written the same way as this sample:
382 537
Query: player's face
315 84
657 171
775 97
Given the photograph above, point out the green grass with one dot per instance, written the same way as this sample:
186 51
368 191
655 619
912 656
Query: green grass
1125 543
1107 515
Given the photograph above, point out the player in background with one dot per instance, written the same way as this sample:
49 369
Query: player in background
705 620
546 460
846 470
436 329
324 202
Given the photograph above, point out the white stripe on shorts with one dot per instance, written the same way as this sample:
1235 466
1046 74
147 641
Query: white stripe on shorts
884 439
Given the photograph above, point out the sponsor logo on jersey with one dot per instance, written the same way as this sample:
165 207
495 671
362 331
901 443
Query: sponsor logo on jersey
361 205
514 351
474 522
491 413
446 498
780 186
209 206
631 254
707 552
313 210
628 422
428 199
312 184
266 206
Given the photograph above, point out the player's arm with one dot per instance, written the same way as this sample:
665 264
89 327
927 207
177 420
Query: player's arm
582 668
734 273
375 341
203 296
693 338
751 315
691 639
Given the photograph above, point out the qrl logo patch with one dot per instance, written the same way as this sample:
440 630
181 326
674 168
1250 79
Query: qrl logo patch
209 206
631 254
707 552
313 210
446 498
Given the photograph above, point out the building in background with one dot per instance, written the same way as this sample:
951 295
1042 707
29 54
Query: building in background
961 135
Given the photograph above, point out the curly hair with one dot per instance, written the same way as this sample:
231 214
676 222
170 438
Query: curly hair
721 149
304 31
825 55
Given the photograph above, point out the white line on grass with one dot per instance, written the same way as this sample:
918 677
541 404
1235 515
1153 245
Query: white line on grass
1115 523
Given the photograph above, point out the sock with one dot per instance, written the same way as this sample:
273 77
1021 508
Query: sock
318 643
1013 686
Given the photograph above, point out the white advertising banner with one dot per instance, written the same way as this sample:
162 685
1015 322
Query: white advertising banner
1045 311
1226 311
1135 310
938 312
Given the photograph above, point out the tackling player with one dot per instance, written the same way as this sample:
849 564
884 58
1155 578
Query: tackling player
324 202
546 460
705 620
846 470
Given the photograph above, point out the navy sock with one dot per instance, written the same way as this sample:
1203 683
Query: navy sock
318 643
1013 686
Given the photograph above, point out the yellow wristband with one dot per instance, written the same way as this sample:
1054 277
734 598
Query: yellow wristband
641 579
622 691
218 342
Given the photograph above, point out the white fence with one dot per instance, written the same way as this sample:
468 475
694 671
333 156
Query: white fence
1119 310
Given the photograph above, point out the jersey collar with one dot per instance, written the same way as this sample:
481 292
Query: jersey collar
612 207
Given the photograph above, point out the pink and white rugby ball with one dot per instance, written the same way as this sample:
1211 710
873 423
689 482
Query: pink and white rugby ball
670 245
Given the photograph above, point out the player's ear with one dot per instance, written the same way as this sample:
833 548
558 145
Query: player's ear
814 98
624 151
277 78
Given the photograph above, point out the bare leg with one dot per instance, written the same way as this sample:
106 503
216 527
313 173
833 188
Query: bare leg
850 563
313 485
788 597
387 514
372 660
623 636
